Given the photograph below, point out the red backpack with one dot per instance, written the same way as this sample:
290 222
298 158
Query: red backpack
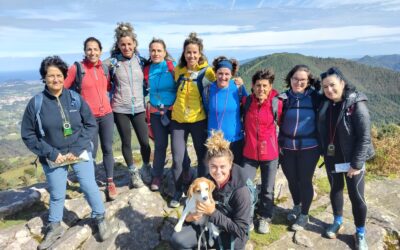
146 71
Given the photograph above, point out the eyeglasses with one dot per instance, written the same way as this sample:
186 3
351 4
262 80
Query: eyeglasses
294 79
331 71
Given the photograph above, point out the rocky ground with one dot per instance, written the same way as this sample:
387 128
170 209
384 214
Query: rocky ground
141 219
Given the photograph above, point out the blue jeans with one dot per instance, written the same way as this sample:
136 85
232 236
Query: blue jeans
57 181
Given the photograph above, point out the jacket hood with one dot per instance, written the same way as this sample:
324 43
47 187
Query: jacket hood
354 97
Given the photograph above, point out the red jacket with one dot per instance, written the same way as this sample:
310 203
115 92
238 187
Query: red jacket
94 87
261 142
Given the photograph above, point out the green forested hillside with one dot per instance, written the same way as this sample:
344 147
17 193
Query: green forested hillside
385 61
382 86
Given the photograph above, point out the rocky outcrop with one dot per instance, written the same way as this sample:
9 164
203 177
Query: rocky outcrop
141 219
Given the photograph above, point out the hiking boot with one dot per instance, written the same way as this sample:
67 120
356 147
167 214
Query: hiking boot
300 223
333 230
263 226
111 191
155 184
145 173
54 232
136 179
294 213
104 228
176 200
360 242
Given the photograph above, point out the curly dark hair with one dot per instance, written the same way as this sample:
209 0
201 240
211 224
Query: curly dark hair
54 61
123 30
266 74
234 62
92 39
192 39
312 81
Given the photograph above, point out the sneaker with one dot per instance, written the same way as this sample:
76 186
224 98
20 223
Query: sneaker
360 242
251 227
300 223
263 226
333 230
155 184
104 229
176 200
54 232
111 191
136 179
294 213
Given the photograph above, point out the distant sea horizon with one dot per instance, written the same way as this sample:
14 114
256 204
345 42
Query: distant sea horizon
26 75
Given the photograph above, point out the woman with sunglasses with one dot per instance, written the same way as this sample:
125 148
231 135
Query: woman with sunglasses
345 132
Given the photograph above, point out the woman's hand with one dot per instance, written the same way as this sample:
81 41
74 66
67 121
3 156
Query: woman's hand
70 157
60 158
193 217
206 208
238 81
353 171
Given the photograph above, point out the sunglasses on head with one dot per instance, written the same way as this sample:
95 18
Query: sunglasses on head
331 71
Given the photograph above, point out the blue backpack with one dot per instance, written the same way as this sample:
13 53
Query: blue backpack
75 101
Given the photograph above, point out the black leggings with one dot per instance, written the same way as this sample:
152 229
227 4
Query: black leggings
355 187
298 167
105 130
180 132
124 129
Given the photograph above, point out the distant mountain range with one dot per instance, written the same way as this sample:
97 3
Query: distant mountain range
386 61
379 84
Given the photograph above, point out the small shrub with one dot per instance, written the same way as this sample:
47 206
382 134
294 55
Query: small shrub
386 161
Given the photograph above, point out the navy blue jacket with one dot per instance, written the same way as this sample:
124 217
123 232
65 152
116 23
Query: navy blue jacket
298 128
82 122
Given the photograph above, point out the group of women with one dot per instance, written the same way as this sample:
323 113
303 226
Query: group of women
194 98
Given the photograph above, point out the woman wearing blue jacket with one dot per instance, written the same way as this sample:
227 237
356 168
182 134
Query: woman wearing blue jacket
222 101
298 140
159 78
60 136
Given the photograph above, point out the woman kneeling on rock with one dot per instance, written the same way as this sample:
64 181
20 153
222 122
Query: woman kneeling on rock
230 181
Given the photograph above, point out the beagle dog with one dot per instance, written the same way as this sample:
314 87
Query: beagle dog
199 191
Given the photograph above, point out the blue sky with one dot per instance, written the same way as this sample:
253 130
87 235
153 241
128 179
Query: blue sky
31 30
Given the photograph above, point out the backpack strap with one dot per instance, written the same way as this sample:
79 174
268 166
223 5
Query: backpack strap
275 104
199 79
146 71
106 70
171 67
206 97
80 72
38 106
75 99
246 106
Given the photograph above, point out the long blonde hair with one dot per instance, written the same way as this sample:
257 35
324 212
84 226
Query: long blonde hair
217 146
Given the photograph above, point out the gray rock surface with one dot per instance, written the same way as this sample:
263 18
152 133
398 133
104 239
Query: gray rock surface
141 219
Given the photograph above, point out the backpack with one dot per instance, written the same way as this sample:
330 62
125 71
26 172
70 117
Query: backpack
80 73
206 95
75 101
146 71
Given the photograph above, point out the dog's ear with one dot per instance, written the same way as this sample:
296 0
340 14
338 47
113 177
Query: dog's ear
211 186
190 190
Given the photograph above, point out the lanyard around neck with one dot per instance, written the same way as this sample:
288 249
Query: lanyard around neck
219 123
61 110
